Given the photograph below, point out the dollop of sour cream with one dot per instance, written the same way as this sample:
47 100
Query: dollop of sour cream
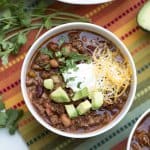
83 76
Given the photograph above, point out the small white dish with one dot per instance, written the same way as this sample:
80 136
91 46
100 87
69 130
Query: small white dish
135 126
89 27
84 2
8 141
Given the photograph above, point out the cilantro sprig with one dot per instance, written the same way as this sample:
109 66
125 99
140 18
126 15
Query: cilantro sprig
72 59
9 118
45 51
16 20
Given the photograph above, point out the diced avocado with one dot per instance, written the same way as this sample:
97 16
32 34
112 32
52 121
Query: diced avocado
83 107
59 96
71 111
80 94
48 84
97 100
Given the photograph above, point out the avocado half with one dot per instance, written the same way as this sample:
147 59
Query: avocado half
143 19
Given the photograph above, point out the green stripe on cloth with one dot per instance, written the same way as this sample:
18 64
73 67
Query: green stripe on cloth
138 42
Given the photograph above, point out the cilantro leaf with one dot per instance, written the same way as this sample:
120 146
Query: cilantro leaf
9 118
61 40
70 79
21 39
13 116
3 119
48 23
25 20
4 59
72 59
8 47
79 84
13 128
6 13
47 52
6 27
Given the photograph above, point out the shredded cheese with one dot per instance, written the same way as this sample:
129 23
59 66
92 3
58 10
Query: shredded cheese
113 77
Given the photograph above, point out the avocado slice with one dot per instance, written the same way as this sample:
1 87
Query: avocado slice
143 17
83 107
80 94
97 100
59 96
71 111
48 84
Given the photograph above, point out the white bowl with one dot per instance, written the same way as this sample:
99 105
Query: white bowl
135 126
83 26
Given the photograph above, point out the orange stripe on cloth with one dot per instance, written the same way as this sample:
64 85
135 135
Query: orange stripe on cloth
6 80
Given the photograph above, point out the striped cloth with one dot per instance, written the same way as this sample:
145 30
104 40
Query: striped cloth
120 18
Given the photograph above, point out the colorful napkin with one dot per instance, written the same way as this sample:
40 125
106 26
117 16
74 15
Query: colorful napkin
119 17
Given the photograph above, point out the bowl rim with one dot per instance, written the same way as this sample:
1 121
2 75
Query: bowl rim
85 2
135 126
91 27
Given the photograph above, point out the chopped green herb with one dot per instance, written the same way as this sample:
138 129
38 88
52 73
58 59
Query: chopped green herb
12 128
75 68
13 116
79 84
21 39
47 52
70 79
3 119
72 60
78 57
5 59
62 60
47 67
2 106
61 40
58 54
48 23
9 118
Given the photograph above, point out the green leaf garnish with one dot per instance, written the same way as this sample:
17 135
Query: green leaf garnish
46 51
70 79
61 40
5 59
48 23
2 106
3 119
14 19
21 38
79 84
9 118
72 59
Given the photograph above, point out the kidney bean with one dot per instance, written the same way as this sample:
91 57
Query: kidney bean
39 91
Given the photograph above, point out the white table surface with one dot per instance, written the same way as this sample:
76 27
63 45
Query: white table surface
14 142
